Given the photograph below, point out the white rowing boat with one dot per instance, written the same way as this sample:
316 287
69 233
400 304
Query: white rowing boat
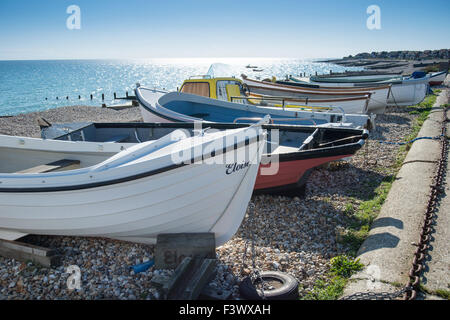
437 78
349 99
171 185
404 91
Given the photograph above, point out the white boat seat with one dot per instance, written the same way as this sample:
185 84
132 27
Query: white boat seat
284 149
65 164
118 138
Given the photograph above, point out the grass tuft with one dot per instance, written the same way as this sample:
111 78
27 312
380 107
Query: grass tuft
345 266
443 293
342 268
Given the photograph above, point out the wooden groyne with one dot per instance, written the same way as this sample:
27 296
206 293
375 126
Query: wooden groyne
91 97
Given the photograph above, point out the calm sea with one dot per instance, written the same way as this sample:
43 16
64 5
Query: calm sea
27 86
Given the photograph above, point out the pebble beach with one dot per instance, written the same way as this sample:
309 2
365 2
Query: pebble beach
296 235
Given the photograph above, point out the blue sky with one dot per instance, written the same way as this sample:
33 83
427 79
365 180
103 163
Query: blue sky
212 28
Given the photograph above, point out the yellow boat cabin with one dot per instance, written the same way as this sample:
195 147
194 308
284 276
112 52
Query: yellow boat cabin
227 89
234 90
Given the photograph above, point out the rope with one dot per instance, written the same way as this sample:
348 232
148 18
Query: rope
410 141
395 102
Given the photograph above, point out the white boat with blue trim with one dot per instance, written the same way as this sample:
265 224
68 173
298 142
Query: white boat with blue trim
224 100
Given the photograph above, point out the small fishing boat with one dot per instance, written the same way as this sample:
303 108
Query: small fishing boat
350 99
346 105
289 156
172 184
364 78
224 100
405 91
437 78
251 67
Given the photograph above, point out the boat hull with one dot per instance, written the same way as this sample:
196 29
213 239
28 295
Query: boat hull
404 92
354 78
350 102
182 107
437 78
195 197
408 93
378 94
291 174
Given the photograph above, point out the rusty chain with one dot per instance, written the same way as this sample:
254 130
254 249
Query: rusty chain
410 291
377 295
418 263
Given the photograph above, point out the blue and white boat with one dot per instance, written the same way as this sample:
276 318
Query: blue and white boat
180 106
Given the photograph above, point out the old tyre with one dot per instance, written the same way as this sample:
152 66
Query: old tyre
281 287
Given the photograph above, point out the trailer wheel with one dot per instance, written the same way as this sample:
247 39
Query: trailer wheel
282 287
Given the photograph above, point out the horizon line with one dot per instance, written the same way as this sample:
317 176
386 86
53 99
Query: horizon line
172 58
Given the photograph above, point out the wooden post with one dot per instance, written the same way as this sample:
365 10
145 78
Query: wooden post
91 96
126 94
67 98
103 96
27 252
79 97
114 95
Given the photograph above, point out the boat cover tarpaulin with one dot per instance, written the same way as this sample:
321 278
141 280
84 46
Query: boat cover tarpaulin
418 74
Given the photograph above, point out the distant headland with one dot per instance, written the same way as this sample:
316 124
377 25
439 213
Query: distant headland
404 55
404 62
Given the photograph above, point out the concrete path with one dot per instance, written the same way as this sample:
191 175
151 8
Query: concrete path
388 251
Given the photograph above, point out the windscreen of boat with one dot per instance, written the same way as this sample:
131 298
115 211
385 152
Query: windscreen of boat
197 88
229 88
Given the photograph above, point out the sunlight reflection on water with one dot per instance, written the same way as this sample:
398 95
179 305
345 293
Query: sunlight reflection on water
25 85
